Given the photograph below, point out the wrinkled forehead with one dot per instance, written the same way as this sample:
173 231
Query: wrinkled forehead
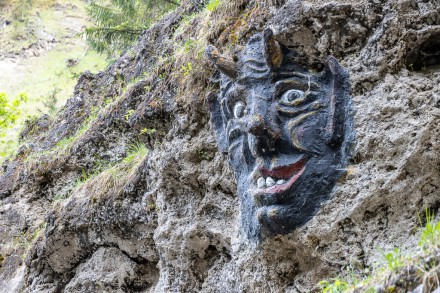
253 72
271 86
232 89
252 65
256 76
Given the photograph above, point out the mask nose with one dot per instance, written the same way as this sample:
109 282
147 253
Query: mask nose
262 136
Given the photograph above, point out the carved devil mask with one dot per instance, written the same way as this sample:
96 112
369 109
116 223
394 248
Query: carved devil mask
287 132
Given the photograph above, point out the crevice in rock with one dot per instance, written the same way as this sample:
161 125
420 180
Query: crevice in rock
426 55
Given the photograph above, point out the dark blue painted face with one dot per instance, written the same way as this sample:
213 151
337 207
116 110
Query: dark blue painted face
286 131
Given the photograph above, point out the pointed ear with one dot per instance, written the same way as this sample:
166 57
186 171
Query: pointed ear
272 50
218 122
337 79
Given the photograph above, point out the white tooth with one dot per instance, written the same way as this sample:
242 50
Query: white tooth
261 183
281 181
270 182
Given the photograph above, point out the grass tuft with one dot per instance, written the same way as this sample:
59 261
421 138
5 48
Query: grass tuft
423 267
430 234
111 179
135 151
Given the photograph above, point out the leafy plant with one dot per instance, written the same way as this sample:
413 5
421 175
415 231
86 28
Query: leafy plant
148 131
128 114
9 114
394 259
162 76
189 45
9 111
336 286
186 69
213 5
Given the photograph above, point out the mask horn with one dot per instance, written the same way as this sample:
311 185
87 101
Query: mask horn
272 50
224 64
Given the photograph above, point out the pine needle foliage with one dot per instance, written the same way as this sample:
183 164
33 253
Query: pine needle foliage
118 23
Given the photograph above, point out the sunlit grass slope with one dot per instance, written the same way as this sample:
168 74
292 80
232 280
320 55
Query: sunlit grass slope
42 55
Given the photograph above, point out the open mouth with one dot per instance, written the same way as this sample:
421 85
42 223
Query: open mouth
279 179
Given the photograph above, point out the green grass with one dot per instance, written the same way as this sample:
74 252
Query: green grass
135 151
46 79
186 69
394 259
111 178
393 262
24 241
67 142
185 24
334 286
430 235
38 76
10 111
85 176
49 72
62 146
213 5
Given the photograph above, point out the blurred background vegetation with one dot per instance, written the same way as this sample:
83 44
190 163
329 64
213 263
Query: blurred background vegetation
118 23
45 45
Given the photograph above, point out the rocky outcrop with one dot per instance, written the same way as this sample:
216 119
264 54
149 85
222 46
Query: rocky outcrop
84 209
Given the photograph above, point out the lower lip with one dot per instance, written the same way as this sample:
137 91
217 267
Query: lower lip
282 187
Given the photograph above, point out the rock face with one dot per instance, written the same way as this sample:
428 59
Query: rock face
84 209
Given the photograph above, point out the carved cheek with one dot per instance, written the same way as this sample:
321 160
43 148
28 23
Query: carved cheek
300 135
297 131
236 157
240 153
295 135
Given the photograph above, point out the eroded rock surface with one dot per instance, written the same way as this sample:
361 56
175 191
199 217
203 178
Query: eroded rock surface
168 221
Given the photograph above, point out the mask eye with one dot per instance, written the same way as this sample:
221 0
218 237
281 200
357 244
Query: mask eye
239 109
291 96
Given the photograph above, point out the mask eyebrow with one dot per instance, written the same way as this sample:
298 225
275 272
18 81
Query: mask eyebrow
293 83
234 91
225 88
230 94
